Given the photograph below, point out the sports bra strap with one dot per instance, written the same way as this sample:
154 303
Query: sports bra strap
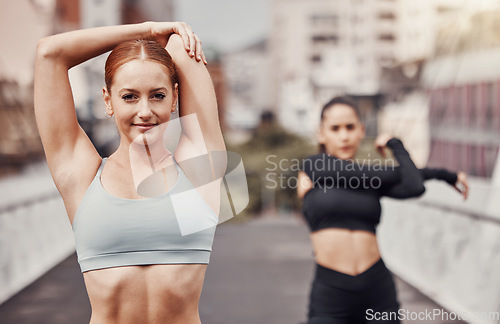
99 171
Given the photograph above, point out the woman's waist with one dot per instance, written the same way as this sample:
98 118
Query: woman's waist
120 288
347 251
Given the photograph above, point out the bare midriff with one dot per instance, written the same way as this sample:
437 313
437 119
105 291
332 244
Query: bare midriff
164 293
348 251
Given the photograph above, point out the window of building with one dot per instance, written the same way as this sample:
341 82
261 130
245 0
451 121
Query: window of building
387 37
491 99
387 15
475 96
316 58
332 39
443 104
324 19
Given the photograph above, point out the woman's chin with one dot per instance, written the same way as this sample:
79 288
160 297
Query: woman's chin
149 137
344 155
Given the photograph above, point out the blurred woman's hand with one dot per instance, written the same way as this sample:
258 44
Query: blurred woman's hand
381 142
462 184
161 31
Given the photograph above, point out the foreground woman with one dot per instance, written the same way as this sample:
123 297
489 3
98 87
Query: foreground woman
138 265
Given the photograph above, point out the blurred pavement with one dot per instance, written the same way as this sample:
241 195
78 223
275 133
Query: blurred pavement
259 273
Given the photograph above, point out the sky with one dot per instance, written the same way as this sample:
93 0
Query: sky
231 24
226 24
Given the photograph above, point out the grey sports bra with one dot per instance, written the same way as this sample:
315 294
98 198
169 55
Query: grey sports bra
172 228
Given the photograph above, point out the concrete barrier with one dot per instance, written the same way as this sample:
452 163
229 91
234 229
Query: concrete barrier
35 233
447 248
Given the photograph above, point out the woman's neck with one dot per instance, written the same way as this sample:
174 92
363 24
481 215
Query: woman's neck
140 154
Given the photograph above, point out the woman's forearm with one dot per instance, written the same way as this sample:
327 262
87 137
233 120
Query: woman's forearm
439 174
75 47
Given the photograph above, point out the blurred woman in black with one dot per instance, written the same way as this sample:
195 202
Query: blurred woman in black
342 208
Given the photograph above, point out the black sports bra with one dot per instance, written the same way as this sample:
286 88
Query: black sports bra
346 194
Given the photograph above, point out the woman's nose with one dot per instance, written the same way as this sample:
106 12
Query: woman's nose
144 109
344 134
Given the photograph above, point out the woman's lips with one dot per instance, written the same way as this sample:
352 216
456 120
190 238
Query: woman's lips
144 127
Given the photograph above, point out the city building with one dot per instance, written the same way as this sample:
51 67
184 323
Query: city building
464 110
322 48
19 140
248 88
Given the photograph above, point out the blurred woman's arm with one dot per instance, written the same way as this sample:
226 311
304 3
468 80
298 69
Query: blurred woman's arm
457 180
410 182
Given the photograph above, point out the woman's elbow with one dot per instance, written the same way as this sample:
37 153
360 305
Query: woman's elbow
45 49
419 190
175 46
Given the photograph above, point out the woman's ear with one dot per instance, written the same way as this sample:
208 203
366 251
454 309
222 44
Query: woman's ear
175 96
319 136
363 131
106 96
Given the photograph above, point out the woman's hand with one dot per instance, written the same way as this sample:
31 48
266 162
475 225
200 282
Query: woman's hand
462 185
161 31
381 142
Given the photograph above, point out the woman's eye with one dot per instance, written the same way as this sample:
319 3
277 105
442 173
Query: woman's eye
158 96
335 128
350 126
128 97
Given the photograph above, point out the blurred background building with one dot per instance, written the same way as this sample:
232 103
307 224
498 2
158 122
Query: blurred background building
340 47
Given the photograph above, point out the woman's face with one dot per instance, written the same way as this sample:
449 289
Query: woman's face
341 131
142 98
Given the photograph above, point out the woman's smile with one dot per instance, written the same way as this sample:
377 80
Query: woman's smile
143 127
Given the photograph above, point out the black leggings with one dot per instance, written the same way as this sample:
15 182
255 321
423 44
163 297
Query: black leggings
339 298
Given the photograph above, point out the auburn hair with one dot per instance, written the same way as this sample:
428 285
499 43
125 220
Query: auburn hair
139 49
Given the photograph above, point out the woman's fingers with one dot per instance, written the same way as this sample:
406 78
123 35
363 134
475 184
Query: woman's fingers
462 190
381 150
191 41
462 184
204 58
198 48
381 142
183 32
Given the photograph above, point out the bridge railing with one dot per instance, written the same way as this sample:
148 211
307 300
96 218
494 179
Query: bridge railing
447 248
35 233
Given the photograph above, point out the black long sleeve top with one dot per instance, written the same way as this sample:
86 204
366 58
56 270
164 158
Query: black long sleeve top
346 194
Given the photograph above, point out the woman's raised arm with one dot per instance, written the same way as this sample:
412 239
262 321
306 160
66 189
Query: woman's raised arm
201 132
196 96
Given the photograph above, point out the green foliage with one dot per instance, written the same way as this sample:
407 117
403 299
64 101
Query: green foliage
272 143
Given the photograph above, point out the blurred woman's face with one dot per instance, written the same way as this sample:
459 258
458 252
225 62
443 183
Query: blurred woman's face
341 131
142 98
